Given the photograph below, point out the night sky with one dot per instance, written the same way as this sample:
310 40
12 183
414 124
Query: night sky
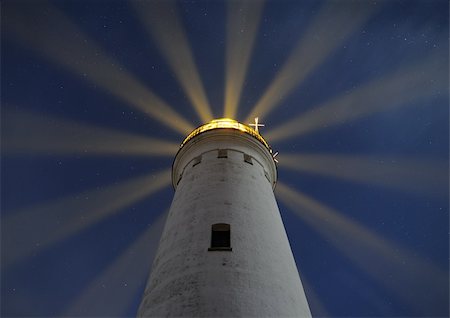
362 95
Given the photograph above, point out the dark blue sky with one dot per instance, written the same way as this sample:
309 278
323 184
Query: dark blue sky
344 274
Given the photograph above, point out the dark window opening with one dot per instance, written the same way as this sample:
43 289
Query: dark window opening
267 176
220 237
222 153
248 159
197 160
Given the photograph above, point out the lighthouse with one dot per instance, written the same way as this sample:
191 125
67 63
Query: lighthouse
224 251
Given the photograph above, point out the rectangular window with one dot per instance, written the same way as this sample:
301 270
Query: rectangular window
220 237
179 178
222 153
266 175
248 159
197 160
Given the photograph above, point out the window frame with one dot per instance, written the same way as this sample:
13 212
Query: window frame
248 159
216 243
222 153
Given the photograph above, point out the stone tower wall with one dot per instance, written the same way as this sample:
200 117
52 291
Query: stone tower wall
258 276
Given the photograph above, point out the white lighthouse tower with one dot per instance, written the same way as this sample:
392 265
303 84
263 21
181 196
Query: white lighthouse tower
224 250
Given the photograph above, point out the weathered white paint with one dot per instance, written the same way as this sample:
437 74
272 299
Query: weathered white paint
258 277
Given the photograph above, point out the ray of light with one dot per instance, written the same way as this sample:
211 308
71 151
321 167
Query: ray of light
242 25
404 272
335 22
112 292
418 176
60 41
164 24
31 230
316 306
28 133
390 92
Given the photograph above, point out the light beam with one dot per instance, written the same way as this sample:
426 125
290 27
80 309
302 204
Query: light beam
112 292
28 133
408 275
387 93
335 22
242 25
31 230
316 306
164 24
60 41
428 177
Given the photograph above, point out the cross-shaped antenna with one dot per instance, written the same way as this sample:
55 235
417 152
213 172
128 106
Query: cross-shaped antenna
274 155
256 125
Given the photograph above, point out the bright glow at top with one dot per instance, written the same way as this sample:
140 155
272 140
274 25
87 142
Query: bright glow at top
229 124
